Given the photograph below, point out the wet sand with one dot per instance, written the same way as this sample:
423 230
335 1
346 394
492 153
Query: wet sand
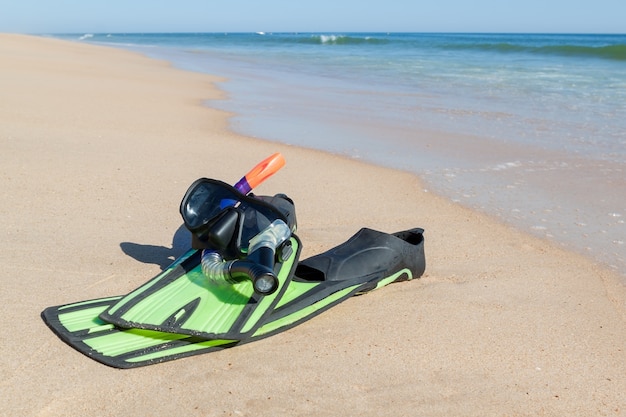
98 147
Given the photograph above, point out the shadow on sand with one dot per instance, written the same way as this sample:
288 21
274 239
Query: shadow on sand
159 255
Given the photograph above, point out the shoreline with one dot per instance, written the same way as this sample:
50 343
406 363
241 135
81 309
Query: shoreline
501 323
534 219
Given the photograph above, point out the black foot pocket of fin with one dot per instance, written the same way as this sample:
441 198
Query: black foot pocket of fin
368 260
369 255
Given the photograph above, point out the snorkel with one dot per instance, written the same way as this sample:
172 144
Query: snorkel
262 171
258 266
220 229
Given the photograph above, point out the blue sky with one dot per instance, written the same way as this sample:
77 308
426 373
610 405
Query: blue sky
70 16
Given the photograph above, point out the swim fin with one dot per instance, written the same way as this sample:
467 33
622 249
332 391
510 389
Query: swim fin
367 261
182 300
80 326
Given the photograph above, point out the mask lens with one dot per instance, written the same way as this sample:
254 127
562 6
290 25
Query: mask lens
211 204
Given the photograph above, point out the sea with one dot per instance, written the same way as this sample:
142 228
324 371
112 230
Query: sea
530 128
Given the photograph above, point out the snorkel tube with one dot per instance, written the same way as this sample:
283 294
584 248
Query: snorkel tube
262 171
258 266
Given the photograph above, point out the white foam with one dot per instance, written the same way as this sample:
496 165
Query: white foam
507 165
329 38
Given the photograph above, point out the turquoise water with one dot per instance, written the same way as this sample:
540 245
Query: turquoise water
529 128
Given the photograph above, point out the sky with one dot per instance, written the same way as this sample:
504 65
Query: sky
115 16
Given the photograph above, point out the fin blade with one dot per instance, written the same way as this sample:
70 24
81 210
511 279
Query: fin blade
80 327
181 300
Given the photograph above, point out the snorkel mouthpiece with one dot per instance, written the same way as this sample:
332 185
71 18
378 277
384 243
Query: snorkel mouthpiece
258 265
262 250
266 284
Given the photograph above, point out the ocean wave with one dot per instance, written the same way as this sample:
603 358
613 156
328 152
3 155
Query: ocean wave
581 46
332 39
560 46
615 52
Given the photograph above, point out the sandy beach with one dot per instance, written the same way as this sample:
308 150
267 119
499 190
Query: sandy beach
98 145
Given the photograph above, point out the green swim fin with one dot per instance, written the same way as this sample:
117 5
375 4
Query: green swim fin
80 326
367 261
182 300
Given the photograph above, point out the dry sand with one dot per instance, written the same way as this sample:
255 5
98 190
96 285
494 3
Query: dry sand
98 145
